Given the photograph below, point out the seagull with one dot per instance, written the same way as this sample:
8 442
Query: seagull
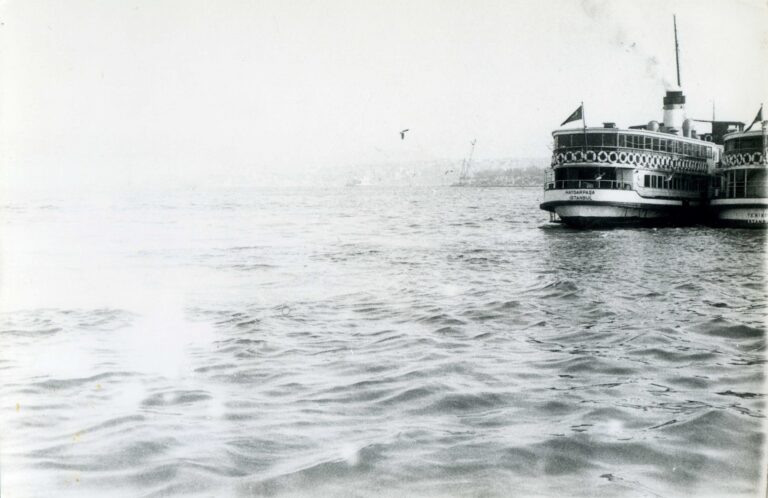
402 134
599 177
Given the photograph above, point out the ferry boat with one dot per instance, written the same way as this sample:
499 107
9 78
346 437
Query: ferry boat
741 196
654 174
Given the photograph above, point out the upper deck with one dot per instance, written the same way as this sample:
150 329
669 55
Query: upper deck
634 148
744 150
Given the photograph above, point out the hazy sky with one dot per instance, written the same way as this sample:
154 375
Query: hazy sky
112 93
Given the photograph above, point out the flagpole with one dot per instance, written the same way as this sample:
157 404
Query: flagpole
758 118
584 123
765 138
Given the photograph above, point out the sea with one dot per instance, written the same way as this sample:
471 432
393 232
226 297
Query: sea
373 341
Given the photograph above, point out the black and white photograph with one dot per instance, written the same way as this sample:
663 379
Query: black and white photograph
369 248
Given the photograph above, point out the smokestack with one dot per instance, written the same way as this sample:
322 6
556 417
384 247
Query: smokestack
674 111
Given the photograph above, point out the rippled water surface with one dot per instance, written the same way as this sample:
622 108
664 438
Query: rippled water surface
374 342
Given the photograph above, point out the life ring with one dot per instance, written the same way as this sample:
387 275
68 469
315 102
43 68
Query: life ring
744 158
622 157
578 156
590 156
560 158
613 157
757 157
602 156
569 157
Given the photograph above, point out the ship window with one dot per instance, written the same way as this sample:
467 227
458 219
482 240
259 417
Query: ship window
594 139
663 145
622 140
649 143
647 181
655 144
577 140
709 152
750 143
609 139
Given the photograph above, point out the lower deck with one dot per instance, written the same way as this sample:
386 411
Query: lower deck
647 183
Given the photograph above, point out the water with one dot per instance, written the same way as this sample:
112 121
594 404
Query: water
374 342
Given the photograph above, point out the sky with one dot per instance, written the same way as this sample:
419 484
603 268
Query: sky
116 94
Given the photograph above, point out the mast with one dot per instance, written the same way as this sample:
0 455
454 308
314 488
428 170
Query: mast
674 100
677 50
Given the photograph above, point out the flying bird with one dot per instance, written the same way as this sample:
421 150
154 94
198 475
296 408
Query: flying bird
447 171
402 134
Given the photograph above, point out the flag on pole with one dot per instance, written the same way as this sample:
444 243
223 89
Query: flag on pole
575 116
758 118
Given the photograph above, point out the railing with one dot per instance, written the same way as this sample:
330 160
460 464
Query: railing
642 158
732 159
623 148
587 184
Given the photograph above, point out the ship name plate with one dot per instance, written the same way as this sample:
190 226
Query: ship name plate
580 195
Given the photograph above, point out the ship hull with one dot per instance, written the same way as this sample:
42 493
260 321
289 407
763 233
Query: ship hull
740 213
617 208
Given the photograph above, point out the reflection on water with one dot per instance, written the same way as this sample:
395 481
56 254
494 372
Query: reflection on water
375 342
